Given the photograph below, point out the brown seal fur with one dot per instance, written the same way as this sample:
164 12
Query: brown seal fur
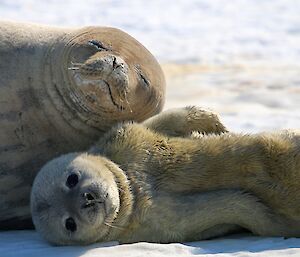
171 189
60 89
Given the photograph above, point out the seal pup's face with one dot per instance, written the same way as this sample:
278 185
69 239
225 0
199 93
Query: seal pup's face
74 200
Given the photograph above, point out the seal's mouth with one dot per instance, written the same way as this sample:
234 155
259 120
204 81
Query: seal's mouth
115 103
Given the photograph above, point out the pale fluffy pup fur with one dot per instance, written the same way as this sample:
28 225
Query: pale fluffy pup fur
158 182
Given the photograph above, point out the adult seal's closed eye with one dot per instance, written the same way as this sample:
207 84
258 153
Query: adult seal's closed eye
159 181
60 89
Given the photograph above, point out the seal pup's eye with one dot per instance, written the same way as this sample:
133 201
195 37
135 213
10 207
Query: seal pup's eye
72 180
71 224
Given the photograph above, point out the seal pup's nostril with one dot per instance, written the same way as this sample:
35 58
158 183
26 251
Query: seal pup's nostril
89 200
88 196
70 224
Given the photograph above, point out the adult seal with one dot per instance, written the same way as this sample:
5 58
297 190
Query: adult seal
60 89
156 182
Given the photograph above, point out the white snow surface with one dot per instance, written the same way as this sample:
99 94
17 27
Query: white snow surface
246 54
28 243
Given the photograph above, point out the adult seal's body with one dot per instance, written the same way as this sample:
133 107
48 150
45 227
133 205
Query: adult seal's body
154 182
60 89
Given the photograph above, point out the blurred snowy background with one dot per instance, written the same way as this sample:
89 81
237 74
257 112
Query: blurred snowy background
217 32
238 57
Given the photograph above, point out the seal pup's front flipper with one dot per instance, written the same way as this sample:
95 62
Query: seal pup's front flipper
181 122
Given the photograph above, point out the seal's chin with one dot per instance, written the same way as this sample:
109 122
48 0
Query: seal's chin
74 200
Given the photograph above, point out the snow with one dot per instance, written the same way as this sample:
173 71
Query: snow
28 243
239 58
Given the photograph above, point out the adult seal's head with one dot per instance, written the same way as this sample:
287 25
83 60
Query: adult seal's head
108 76
76 198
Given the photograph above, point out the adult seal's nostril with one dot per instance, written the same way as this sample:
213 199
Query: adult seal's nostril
119 63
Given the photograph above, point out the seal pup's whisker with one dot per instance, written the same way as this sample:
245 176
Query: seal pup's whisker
113 226
73 68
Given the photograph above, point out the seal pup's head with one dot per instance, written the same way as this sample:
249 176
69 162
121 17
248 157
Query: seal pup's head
75 199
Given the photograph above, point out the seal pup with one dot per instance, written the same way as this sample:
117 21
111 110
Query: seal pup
139 182
60 89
